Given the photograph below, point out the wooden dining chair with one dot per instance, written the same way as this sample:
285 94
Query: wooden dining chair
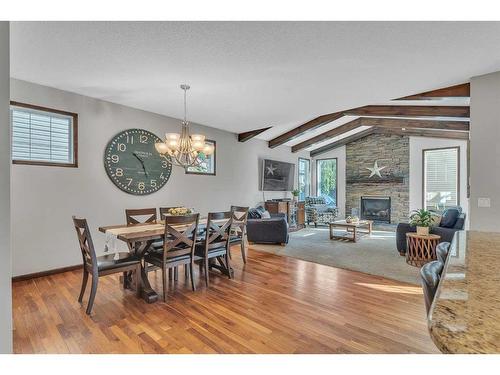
140 215
102 265
216 242
179 242
239 230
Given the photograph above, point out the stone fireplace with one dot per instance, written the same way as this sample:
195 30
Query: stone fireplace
376 209
391 152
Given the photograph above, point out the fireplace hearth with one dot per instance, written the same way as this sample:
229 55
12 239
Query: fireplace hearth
376 209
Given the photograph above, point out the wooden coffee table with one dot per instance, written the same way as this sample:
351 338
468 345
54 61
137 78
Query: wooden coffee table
350 228
421 249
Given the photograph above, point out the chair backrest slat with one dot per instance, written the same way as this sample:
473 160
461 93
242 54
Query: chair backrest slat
218 229
180 235
86 244
240 216
133 215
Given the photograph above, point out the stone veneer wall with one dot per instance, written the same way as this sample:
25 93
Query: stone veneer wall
392 151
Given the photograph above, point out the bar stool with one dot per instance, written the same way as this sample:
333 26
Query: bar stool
430 274
442 251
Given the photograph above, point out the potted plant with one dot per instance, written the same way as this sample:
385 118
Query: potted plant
422 219
295 194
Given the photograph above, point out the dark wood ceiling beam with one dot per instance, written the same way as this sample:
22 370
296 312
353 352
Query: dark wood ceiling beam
304 128
395 123
457 91
447 134
410 111
243 137
423 111
354 124
342 142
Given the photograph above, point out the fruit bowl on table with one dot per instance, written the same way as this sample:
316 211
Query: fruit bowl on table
352 219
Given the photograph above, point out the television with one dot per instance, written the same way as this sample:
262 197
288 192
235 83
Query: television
277 175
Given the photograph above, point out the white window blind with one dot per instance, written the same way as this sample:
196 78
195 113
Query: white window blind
441 178
41 136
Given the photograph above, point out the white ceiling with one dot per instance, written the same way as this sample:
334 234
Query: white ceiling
249 75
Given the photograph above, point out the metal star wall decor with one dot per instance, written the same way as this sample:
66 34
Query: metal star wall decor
270 170
375 170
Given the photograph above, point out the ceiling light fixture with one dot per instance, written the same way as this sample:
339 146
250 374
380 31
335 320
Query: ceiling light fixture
184 150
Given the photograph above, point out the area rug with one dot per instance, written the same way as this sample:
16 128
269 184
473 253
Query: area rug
374 254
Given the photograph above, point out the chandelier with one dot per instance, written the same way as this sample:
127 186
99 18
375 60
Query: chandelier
184 150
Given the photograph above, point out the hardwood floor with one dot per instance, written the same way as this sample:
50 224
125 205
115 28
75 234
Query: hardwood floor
273 305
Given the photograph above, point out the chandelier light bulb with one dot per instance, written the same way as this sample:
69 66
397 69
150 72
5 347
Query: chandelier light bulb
173 144
208 149
198 145
161 147
172 136
198 138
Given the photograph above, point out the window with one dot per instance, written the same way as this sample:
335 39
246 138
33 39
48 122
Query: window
304 178
43 136
207 166
326 179
440 178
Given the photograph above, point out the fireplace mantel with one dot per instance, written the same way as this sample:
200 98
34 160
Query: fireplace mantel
388 180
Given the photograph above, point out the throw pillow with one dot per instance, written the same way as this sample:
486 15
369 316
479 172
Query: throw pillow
253 213
449 218
265 215
436 220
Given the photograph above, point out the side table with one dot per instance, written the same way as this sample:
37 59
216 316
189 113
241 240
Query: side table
421 249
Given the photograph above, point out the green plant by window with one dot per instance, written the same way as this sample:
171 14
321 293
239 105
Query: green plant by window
295 192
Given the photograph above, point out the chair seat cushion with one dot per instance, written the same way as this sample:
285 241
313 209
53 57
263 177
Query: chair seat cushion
156 257
235 240
200 250
110 261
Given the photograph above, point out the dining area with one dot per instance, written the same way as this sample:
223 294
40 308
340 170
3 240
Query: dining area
170 240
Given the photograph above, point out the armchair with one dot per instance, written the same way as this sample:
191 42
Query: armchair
318 211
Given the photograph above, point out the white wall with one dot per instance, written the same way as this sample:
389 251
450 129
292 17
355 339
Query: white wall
485 151
417 144
5 249
338 153
45 198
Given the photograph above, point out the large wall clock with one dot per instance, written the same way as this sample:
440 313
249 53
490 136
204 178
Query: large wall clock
133 164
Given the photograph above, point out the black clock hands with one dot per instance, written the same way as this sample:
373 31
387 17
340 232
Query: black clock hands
142 163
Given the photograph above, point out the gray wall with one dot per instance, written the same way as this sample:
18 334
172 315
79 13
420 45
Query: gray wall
45 198
5 253
485 151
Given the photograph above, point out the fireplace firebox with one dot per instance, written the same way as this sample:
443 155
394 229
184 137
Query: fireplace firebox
376 208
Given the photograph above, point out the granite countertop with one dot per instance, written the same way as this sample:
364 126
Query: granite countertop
465 314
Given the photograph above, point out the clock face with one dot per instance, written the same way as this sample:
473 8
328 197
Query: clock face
134 165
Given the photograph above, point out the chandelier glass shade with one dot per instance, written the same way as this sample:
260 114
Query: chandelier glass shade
184 150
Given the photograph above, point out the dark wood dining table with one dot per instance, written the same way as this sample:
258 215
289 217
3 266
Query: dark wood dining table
140 242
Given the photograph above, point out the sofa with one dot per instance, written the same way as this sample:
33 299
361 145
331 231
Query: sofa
452 220
263 227
318 211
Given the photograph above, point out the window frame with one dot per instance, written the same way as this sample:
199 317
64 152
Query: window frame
310 176
74 116
336 177
214 155
424 205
